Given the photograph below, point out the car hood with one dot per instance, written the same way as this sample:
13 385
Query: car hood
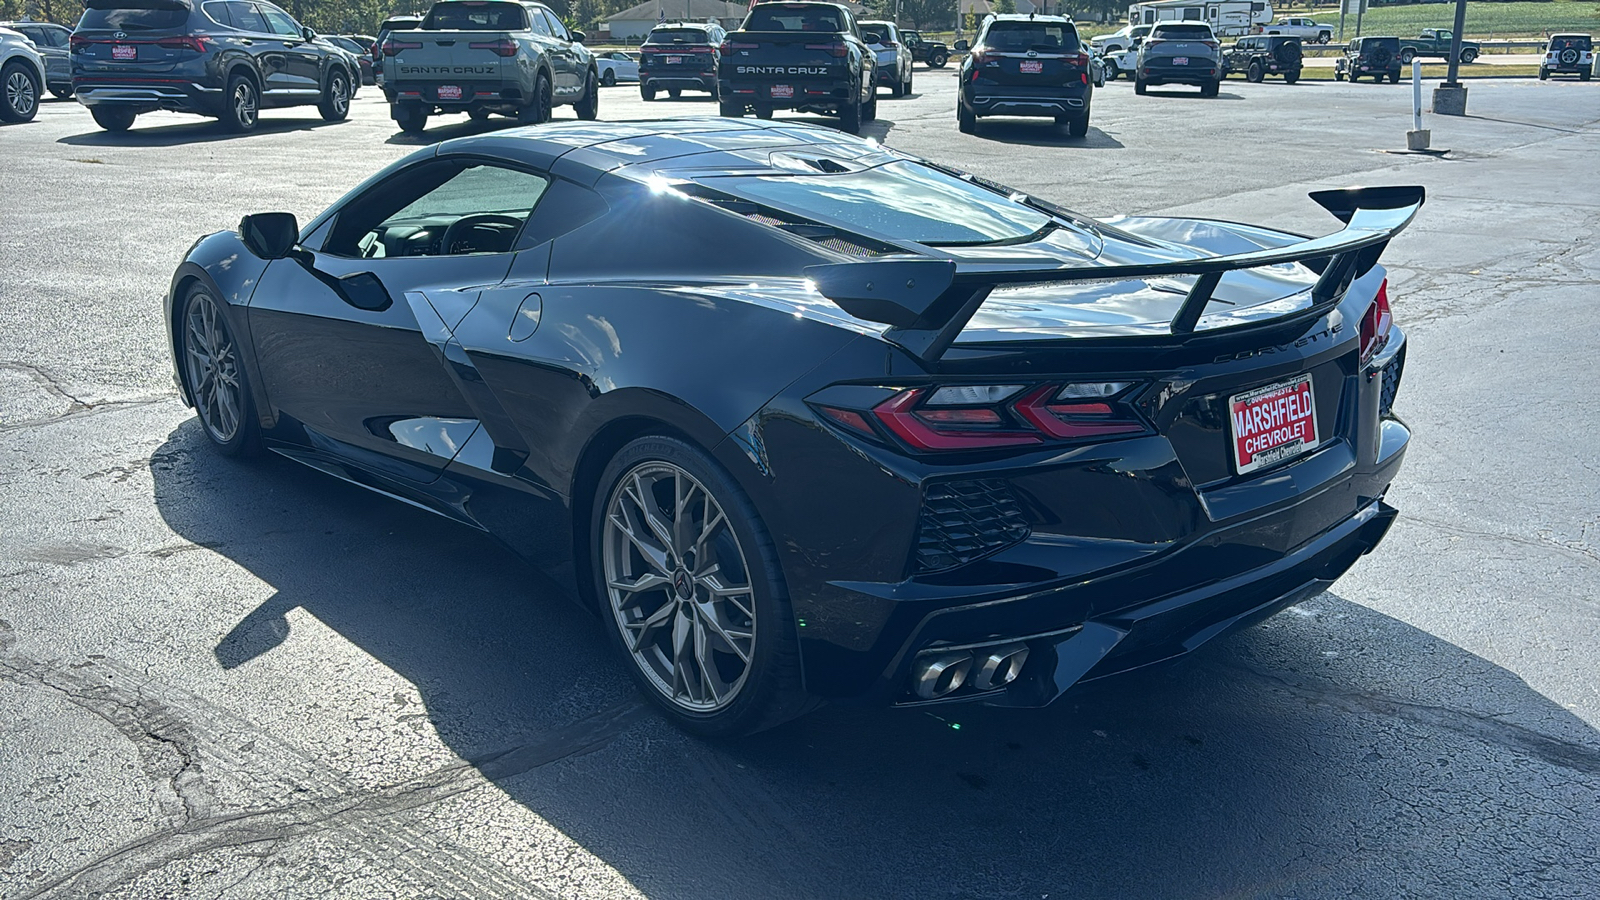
1136 307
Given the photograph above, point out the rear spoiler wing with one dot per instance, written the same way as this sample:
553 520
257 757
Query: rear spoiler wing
927 302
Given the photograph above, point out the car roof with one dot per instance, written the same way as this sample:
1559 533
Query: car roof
1572 34
1022 17
584 151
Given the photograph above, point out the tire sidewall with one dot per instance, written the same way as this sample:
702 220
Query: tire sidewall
6 74
230 115
774 622
246 438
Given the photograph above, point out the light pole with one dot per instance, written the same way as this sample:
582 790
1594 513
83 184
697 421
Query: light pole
1450 98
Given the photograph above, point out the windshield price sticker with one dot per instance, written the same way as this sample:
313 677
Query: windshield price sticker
1272 423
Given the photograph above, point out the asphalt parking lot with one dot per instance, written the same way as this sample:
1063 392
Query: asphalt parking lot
224 679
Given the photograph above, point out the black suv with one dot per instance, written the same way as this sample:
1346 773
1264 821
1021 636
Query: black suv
680 56
934 53
1262 55
1369 57
1026 66
223 58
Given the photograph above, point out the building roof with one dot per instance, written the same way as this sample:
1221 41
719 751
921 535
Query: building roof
680 11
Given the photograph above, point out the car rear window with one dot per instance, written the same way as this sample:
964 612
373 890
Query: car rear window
1571 43
901 200
134 19
475 15
678 36
793 17
1044 36
1183 32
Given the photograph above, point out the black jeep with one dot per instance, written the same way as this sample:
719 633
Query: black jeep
1261 55
1372 57
934 53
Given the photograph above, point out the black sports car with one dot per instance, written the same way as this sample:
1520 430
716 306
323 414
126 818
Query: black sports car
804 418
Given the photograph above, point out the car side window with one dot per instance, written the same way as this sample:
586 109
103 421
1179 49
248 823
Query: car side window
441 208
279 22
218 13
557 30
246 17
537 23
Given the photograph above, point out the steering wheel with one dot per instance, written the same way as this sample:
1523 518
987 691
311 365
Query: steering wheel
459 228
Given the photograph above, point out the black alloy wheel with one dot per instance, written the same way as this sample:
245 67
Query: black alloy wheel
112 118
19 93
537 112
688 581
215 377
243 110
609 78
588 108
335 103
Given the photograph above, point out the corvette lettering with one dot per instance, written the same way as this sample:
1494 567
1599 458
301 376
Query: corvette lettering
781 70
448 70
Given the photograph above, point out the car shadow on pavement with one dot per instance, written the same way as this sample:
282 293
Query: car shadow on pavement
1043 133
1191 94
196 131
1278 763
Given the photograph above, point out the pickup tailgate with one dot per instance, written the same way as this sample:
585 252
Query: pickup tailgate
798 60
453 65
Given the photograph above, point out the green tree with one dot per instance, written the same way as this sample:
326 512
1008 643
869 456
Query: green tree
928 14
1005 7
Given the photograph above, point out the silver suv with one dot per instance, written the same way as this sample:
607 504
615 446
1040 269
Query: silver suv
21 77
1180 53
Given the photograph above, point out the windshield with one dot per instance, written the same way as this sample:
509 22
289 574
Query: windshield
134 19
1031 36
793 17
903 201
475 16
678 36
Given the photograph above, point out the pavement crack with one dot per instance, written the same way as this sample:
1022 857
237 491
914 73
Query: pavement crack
82 410
1483 727
1544 541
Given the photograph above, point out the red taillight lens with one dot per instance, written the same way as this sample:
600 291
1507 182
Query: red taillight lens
193 42
502 47
1375 324
947 429
850 419
1211 44
392 48
77 42
837 50
1073 419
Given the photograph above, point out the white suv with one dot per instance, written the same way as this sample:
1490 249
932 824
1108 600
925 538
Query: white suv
1568 54
21 77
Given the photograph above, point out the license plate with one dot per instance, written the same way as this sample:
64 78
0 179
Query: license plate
119 51
783 91
1180 60
449 92
1032 67
1272 423
674 60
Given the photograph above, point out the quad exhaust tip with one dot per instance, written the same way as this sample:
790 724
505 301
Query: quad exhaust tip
940 674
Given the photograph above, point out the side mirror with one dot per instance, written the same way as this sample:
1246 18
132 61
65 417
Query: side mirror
578 36
270 235
309 34
962 45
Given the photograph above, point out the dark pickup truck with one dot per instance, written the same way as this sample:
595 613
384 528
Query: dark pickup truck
802 56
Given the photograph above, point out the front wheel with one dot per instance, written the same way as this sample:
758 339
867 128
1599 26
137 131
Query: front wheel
20 88
609 78
215 377
938 59
335 103
1407 55
113 119
689 584
588 108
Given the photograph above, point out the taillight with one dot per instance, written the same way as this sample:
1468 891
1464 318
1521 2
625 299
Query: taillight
502 47
1065 413
890 44
1211 44
726 47
393 47
948 429
1375 324
1082 59
194 42
77 42
838 50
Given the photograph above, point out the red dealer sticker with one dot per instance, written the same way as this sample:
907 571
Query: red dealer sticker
1272 423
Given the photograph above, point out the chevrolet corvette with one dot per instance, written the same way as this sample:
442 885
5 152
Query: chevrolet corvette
802 419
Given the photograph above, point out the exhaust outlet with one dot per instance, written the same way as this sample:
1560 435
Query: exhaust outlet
940 675
999 666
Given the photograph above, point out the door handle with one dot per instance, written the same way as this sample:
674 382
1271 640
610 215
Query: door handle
247 42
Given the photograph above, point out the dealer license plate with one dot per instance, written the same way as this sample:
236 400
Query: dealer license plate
121 51
1272 423
674 60
449 92
1032 66
783 92
1180 60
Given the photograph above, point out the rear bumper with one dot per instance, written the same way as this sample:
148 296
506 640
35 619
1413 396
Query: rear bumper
150 94
473 96
1006 100
694 81
806 93
1200 75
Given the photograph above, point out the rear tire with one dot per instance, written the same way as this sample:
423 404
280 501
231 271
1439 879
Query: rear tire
850 115
335 102
717 655
1468 55
938 59
1255 73
243 110
1079 127
966 119
731 110
1407 55
1138 86
478 114
674 93
62 93
764 112
1210 90
869 110
906 91
19 93
1585 76
609 78
588 109
537 112
1394 77
113 119
410 117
